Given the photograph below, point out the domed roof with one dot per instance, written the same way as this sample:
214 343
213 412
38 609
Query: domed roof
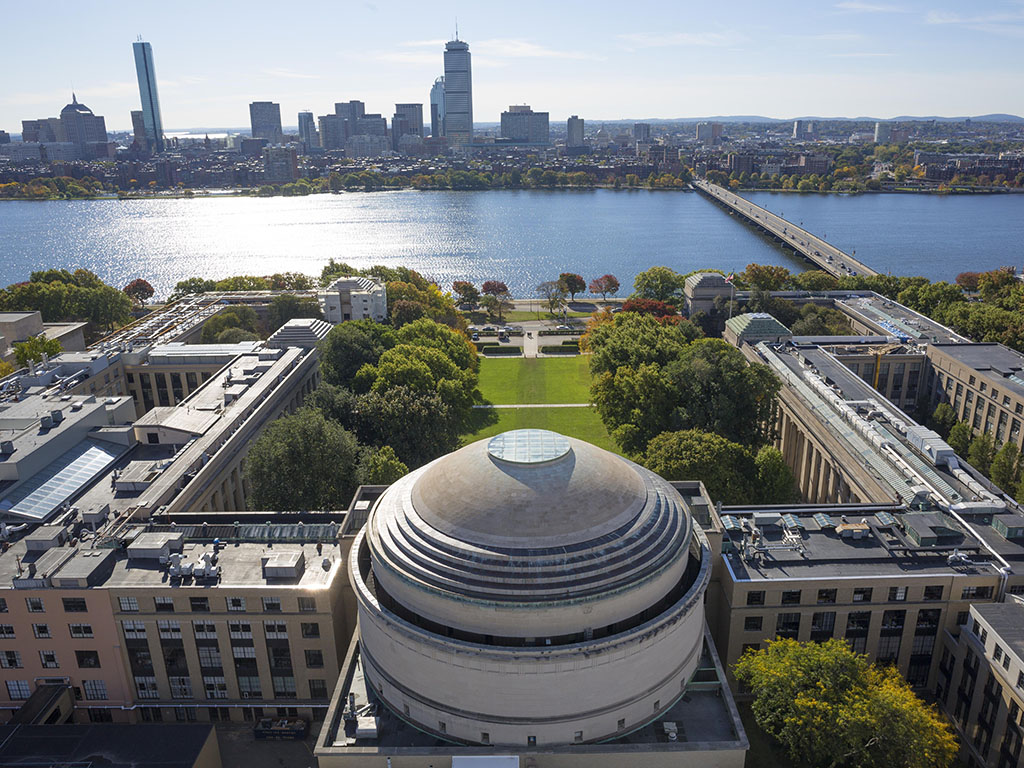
528 517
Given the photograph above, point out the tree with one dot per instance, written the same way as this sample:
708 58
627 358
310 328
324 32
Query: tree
553 292
776 483
494 288
659 283
139 291
815 280
302 462
466 292
34 348
767 277
236 316
1005 467
382 467
725 467
829 706
497 305
192 286
350 345
572 284
404 312
968 280
943 419
981 453
631 339
650 307
959 438
289 306
418 426
235 335
454 344
604 285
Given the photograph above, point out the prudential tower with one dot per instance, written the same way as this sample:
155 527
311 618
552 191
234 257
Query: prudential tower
458 94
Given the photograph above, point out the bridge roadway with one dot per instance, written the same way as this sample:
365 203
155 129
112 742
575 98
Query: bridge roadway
821 254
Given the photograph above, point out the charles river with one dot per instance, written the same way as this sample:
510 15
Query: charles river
522 237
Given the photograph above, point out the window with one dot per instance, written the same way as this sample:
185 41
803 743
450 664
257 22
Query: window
621 725
87 659
204 630
1020 680
752 623
485 737
979 593
41 630
128 604
3 605
169 630
236 603
215 687
307 604
862 595
924 645
18 689
95 690
317 689
897 594
199 604
243 652
284 686
209 656
80 630
823 622
145 687
788 625
531 741
894 620
755 598
310 630
134 630
275 630
933 592
826 596
181 686
314 659
75 605
961 618
48 659
7 632
10 660
240 631
997 653
889 647
791 597
271 605
249 686
164 604
35 604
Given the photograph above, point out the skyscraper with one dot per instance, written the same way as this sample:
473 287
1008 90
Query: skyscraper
521 124
147 93
437 108
265 120
307 131
641 132
141 141
574 132
458 94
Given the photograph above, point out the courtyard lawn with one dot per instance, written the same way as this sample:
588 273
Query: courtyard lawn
535 380
582 423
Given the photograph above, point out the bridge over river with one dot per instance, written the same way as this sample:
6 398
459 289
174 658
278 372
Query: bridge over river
821 254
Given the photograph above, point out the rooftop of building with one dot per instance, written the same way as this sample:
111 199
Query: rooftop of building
995 360
895 319
295 555
1006 620
706 718
759 324
705 280
121 746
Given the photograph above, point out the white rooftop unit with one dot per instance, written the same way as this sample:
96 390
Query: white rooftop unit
283 565
155 546
45 537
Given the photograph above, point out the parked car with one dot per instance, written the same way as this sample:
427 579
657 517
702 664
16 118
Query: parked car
475 337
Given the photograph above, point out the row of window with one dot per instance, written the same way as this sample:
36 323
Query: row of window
42 631
788 624
169 629
84 659
865 594
215 687
36 605
203 605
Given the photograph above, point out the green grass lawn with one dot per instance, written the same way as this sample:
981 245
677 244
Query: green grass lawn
582 423
535 380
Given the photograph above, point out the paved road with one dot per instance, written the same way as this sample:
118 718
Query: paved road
812 247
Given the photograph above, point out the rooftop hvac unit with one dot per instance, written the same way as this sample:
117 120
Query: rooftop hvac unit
6 447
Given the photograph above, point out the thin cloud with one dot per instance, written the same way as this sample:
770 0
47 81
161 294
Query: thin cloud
678 39
861 7
507 48
860 55
1002 24
424 43
288 74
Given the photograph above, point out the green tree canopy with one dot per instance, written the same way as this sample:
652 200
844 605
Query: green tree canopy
572 284
726 468
1005 468
815 280
829 706
235 316
981 452
350 345
943 419
659 283
288 306
34 348
776 483
767 277
959 438
303 462
454 344
633 339
382 467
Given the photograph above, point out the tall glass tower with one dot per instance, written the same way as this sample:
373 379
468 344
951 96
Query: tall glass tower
147 92
437 108
458 94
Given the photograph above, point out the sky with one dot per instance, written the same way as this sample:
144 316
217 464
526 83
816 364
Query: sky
599 59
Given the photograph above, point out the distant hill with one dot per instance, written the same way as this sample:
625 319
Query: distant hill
994 118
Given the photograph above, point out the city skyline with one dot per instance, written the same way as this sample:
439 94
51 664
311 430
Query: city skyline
846 58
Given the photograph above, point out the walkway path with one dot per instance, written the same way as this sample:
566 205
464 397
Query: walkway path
535 405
